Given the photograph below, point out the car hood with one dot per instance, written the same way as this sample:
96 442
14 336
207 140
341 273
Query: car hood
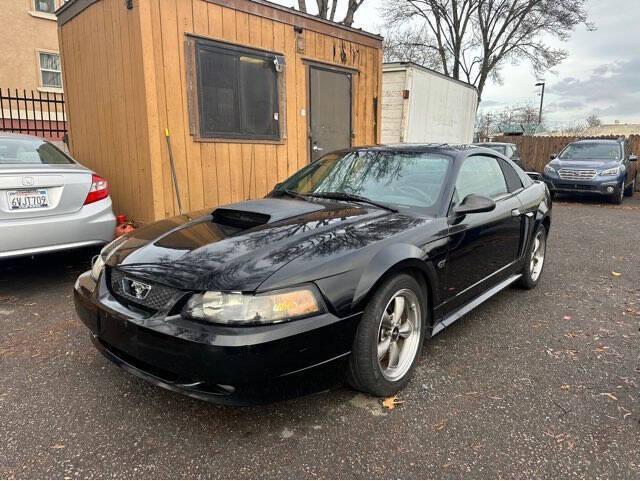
595 164
237 247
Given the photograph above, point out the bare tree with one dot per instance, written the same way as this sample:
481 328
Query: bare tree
593 121
473 39
327 9
409 45
492 122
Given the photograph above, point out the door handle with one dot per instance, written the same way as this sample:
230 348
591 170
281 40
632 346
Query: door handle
517 213
315 148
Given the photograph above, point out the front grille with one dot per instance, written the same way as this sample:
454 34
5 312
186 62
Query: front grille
158 298
577 174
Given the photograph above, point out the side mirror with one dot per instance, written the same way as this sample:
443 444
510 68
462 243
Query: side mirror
474 204
633 158
553 156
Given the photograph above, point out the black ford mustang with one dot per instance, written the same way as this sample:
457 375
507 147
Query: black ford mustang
346 266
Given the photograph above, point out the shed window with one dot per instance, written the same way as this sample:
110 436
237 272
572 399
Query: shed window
237 92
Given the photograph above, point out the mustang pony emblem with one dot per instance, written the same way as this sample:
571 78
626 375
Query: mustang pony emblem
137 289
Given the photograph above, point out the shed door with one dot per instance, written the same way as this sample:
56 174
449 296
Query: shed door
329 111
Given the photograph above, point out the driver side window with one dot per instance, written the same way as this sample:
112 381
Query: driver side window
480 175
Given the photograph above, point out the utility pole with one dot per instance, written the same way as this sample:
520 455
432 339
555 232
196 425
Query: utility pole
540 84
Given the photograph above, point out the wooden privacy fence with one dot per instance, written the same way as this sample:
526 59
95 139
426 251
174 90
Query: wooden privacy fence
33 113
535 151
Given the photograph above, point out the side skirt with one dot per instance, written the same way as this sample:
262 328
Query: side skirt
454 316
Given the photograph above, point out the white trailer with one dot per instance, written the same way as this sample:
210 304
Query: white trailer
420 105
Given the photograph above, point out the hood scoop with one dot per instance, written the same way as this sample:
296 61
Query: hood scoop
253 213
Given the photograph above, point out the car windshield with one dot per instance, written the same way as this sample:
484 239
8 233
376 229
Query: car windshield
591 151
411 179
30 151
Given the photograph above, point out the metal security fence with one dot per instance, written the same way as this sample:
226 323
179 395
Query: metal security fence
35 113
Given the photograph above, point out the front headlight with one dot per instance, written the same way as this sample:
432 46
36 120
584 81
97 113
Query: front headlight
613 171
100 260
96 268
549 170
234 308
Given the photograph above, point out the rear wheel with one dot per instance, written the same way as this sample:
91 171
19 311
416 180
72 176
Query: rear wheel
389 337
628 192
535 260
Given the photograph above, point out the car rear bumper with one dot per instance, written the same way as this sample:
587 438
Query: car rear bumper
601 187
93 224
227 365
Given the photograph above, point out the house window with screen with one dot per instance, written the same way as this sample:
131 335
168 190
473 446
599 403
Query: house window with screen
237 92
45 6
50 70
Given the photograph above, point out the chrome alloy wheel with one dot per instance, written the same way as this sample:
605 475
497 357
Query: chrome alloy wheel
399 334
537 255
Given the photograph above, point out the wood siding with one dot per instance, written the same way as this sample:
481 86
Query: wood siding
125 90
105 93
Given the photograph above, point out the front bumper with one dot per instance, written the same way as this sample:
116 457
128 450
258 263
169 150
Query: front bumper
599 186
93 224
228 365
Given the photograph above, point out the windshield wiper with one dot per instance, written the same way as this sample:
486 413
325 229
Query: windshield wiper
350 197
293 193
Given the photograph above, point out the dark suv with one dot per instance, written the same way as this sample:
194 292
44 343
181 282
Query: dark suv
594 166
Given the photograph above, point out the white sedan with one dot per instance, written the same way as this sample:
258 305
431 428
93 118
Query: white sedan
49 202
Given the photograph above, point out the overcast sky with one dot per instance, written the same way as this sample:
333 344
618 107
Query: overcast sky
601 74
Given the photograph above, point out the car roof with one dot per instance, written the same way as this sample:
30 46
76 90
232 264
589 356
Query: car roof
13 135
603 141
493 143
442 148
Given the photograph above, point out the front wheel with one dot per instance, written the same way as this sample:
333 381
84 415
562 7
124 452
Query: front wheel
628 192
389 337
618 197
535 259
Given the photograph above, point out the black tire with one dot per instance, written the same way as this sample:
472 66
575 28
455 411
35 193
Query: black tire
365 372
628 192
618 197
528 279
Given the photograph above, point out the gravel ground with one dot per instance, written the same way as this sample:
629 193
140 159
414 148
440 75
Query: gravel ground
542 383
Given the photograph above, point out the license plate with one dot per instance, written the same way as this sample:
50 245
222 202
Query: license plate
28 199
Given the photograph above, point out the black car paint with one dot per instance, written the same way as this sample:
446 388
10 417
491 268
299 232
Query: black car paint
344 248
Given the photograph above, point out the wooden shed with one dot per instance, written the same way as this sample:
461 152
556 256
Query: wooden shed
250 92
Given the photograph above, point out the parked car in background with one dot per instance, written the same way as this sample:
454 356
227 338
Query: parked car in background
594 166
350 264
510 151
49 202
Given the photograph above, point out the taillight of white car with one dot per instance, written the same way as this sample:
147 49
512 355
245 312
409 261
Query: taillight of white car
99 190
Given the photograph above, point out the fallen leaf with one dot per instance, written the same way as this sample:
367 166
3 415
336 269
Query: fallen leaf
615 274
565 387
609 395
391 402
57 446
439 426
